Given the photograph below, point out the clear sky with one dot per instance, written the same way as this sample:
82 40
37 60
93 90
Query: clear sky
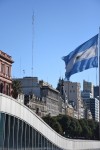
59 26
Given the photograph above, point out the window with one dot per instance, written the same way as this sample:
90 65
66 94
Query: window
27 136
1 88
2 123
2 68
24 136
11 137
16 125
7 127
7 89
20 135
31 138
7 71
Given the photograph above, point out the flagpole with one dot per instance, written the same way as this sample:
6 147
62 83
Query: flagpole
96 77
99 77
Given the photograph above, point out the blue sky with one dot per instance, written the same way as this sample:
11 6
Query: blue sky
59 27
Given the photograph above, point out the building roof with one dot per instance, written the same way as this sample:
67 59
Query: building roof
6 57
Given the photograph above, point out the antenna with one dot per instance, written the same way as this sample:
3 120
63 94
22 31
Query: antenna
32 40
32 47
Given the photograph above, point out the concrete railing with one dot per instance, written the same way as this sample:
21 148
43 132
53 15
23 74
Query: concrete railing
13 107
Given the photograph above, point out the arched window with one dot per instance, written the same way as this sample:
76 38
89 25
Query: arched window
7 89
1 87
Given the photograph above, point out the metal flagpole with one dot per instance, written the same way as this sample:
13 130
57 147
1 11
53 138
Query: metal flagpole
99 77
96 77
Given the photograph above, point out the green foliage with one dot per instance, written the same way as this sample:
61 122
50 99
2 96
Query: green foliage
73 128
86 130
52 122
16 88
65 124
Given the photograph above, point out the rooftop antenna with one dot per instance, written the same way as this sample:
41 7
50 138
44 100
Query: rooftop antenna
32 49
32 40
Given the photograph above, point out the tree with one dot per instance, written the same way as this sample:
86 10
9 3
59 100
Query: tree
16 88
75 128
94 128
86 130
53 123
96 131
57 127
65 124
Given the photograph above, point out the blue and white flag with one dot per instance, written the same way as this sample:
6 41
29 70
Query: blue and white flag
83 57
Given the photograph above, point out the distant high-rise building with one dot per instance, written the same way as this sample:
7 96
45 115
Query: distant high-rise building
88 114
96 91
73 92
93 105
5 73
86 95
88 87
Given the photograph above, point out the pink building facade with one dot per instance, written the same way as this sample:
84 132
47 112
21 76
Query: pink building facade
5 73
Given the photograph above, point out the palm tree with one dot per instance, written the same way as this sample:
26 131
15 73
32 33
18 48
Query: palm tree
16 88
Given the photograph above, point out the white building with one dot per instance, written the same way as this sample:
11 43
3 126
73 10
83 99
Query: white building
72 89
88 87
73 92
31 87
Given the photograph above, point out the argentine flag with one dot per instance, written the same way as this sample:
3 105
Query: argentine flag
83 57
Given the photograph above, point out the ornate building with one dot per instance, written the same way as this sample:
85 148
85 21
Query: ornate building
5 73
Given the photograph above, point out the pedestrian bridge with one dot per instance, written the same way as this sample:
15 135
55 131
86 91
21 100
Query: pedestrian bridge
22 129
